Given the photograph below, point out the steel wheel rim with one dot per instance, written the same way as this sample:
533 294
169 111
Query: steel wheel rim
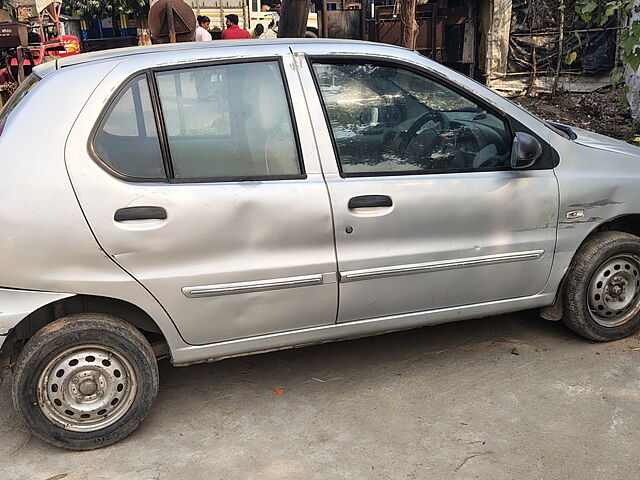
614 289
86 388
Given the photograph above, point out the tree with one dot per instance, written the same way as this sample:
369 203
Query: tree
408 24
293 18
599 13
92 9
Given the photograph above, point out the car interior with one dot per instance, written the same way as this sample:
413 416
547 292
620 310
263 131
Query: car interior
390 119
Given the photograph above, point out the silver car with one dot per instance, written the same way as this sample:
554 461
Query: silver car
205 201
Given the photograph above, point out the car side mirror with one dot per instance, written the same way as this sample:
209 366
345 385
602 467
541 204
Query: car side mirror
525 152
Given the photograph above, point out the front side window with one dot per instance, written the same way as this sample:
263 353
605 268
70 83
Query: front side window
388 120
127 139
228 122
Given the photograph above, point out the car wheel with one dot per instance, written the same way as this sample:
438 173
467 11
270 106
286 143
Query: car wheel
311 33
602 289
85 381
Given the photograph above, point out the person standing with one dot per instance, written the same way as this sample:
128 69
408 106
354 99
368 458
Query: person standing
202 31
233 31
258 32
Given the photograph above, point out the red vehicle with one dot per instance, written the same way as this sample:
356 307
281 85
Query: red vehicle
43 44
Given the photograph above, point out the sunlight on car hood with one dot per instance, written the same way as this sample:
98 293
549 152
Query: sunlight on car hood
602 142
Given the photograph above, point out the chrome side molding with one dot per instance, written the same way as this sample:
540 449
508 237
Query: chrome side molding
254 286
414 268
355 275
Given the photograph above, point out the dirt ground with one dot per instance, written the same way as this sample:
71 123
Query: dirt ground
600 111
503 398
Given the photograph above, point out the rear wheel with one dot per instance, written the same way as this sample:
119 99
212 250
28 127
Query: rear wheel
85 381
602 295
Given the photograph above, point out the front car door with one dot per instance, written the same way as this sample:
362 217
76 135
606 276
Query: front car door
427 212
199 185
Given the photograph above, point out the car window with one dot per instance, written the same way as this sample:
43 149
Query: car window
228 122
390 120
127 139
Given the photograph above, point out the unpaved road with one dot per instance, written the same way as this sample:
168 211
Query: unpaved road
453 401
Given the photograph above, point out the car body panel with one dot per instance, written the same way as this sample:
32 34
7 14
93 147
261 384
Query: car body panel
67 258
449 239
18 304
50 247
256 241
601 185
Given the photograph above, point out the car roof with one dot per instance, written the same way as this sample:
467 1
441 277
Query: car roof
172 47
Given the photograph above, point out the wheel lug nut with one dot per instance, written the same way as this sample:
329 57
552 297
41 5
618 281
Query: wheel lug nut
74 380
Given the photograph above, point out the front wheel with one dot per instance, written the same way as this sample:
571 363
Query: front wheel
85 381
602 290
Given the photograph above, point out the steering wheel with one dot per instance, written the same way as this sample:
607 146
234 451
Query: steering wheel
415 127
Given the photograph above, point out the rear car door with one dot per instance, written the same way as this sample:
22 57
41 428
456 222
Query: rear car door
198 184
428 213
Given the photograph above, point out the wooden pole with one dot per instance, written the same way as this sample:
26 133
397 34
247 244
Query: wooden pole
554 88
171 24
325 20
20 65
408 24
293 18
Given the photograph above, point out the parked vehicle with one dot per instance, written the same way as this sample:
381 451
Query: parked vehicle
205 201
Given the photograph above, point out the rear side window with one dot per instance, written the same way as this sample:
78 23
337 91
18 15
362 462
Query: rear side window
229 122
127 139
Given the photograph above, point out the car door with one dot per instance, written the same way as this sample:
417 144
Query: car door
199 185
428 214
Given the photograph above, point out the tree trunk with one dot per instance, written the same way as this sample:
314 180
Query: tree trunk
293 18
408 24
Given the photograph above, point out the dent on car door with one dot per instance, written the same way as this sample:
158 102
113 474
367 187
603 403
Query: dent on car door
427 212
214 209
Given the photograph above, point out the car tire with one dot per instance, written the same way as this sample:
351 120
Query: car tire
602 287
311 33
85 381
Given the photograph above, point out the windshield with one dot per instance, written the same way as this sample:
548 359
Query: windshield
24 88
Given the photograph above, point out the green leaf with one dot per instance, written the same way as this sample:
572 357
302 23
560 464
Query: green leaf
633 61
571 57
617 76
609 11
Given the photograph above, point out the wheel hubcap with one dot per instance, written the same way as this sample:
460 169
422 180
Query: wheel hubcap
86 388
613 292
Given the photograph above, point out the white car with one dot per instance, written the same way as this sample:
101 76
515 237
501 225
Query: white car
204 201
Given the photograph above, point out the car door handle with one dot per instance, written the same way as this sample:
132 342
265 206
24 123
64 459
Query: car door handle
140 213
365 201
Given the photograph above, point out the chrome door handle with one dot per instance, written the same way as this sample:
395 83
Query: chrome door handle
140 213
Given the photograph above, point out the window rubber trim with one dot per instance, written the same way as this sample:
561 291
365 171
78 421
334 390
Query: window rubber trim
169 178
279 60
105 111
